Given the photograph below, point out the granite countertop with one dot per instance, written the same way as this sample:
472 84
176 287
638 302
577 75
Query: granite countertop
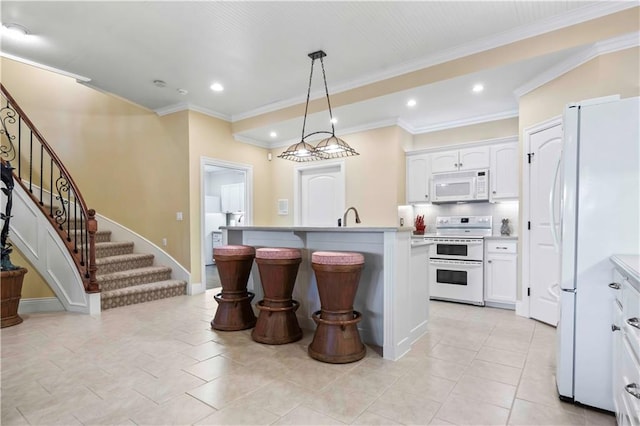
319 229
630 265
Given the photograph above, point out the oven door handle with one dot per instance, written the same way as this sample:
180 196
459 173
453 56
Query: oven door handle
454 241
455 262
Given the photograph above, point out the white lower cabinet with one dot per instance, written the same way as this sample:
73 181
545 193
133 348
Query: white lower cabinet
626 350
500 273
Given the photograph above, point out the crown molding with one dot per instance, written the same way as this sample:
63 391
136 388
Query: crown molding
77 77
252 141
604 47
462 145
570 18
466 122
184 106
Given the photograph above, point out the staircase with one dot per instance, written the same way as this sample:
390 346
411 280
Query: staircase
87 262
127 278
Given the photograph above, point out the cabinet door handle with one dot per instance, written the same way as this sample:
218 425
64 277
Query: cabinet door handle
501 248
455 164
426 195
614 286
631 390
488 261
494 192
614 327
460 164
634 322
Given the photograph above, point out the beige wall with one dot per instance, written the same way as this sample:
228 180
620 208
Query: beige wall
614 73
131 164
471 133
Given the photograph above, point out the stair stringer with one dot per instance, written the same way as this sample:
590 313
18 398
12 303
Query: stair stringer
143 245
40 244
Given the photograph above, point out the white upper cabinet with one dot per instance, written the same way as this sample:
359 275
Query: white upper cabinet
462 159
504 172
232 197
418 174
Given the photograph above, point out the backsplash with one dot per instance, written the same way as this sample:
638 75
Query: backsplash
498 211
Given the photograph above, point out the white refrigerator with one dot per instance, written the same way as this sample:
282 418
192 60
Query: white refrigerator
600 184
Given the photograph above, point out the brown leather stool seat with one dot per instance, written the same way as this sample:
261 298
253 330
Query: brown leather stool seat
277 323
234 302
336 339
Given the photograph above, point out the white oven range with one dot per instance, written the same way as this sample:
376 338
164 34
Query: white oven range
456 258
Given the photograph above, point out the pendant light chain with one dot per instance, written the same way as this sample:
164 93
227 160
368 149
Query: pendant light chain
326 90
306 108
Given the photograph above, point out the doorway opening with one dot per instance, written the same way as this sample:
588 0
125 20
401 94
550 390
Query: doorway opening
226 200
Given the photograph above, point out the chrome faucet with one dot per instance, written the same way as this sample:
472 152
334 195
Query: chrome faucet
344 218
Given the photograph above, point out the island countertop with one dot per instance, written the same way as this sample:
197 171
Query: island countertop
320 228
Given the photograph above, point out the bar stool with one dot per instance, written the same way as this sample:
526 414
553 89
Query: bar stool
277 323
336 339
234 302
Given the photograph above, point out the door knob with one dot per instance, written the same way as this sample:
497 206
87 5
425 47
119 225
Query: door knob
614 327
614 286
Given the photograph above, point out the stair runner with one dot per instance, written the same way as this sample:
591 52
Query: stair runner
127 278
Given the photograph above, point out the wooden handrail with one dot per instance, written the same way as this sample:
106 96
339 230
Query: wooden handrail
88 271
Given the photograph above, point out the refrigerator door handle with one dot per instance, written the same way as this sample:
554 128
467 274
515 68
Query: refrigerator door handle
552 210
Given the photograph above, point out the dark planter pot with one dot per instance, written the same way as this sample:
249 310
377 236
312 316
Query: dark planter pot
11 289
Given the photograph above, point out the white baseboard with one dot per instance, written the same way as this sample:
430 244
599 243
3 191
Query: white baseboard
40 304
522 308
195 288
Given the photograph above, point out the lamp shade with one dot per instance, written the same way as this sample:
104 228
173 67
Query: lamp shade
334 147
300 152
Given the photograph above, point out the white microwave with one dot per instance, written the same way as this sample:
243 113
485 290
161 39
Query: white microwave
452 187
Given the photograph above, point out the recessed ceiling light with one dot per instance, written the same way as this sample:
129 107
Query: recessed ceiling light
182 91
159 83
15 31
334 120
217 87
477 88
411 103
273 134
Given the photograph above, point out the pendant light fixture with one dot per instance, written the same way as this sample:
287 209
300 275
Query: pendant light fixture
331 147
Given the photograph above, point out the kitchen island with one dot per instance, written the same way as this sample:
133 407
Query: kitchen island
386 290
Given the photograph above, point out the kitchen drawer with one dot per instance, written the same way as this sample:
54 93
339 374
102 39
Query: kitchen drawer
631 316
630 369
616 286
501 246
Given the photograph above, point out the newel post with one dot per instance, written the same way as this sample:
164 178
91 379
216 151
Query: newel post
92 228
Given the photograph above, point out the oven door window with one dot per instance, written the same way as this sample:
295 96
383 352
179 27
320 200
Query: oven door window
452 249
448 276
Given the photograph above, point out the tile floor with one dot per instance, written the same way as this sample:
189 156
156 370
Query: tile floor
160 363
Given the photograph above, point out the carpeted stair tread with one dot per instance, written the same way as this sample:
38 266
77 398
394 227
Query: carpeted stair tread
101 236
107 265
111 248
132 277
142 293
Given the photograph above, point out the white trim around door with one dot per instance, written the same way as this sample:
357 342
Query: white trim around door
522 306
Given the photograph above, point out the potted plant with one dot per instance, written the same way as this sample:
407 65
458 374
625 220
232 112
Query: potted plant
12 276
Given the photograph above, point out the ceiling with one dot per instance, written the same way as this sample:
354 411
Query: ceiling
258 52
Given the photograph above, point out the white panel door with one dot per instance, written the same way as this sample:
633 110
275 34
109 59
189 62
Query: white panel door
544 259
321 196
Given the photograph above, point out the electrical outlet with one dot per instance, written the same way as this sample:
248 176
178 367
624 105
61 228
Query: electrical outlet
164 242
179 216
